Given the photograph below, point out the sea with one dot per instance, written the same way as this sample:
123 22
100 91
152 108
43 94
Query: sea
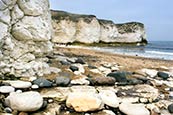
154 49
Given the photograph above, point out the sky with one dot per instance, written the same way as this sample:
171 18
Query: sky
157 15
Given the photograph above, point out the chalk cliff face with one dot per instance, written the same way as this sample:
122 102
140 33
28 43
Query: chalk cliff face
71 28
25 33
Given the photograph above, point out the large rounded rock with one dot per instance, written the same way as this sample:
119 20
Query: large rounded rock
109 98
133 109
27 101
83 102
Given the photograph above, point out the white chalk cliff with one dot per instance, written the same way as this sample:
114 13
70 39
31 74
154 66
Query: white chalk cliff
69 28
25 34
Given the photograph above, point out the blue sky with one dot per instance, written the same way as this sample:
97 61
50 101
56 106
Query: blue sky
157 15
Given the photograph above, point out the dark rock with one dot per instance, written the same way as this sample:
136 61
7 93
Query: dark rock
92 67
119 76
42 82
102 81
171 89
62 81
163 75
134 81
44 105
80 60
8 110
65 63
74 68
170 108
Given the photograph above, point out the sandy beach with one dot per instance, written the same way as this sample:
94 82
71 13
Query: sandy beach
128 63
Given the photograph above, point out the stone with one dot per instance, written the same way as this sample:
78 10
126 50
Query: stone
109 98
102 81
2 5
62 81
34 86
17 101
119 76
8 110
80 60
7 89
163 75
150 72
133 109
170 108
23 113
83 102
74 68
80 81
42 82
65 62
19 84
134 81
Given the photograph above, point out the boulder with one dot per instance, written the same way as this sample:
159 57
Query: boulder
27 101
119 76
83 102
102 81
170 108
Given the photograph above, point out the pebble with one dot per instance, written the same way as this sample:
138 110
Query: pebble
102 81
133 109
42 82
163 75
6 89
62 81
74 68
80 81
150 72
34 86
80 60
8 110
119 76
65 63
20 84
26 101
170 108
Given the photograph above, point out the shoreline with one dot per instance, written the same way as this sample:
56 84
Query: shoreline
131 62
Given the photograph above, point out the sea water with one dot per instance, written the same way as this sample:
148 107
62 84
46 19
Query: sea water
154 49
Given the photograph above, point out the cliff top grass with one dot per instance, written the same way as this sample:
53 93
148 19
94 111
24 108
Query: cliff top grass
129 27
62 15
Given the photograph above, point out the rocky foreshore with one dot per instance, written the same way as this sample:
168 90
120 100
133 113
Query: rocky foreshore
86 84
